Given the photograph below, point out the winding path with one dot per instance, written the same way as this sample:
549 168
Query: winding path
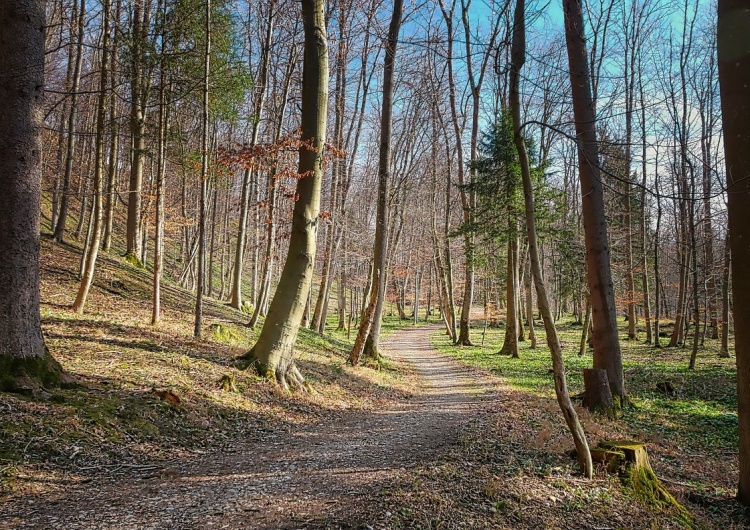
317 476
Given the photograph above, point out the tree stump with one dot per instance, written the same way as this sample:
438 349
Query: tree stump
630 461
597 395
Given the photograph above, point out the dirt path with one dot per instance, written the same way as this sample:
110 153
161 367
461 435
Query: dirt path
317 476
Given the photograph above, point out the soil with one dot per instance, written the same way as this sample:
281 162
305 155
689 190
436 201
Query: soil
329 474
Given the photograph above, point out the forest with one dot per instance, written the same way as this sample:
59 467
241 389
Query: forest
334 264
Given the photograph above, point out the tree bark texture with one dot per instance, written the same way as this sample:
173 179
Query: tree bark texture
273 354
25 363
734 85
604 316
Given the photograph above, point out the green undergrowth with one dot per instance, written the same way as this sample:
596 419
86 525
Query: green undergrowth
687 418
699 413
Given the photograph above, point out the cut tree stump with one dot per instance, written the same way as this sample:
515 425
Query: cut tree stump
630 461
597 396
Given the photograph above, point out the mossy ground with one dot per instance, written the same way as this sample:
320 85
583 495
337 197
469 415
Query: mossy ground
691 434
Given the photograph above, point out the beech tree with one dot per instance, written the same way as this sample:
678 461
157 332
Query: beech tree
272 355
380 257
25 363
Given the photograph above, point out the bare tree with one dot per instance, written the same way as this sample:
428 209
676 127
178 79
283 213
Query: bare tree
607 354
273 354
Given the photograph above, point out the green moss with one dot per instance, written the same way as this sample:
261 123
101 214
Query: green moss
225 334
643 484
22 374
134 260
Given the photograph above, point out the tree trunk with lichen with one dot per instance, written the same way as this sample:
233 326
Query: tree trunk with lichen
273 354
25 363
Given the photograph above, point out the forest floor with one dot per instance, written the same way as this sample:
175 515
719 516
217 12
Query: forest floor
152 438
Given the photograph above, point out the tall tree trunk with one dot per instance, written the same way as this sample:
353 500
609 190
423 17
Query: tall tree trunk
247 175
25 362
197 330
138 96
161 166
463 337
114 145
734 83
332 233
62 218
272 356
561 389
607 354
95 225
510 344
644 256
529 305
724 352
694 250
380 256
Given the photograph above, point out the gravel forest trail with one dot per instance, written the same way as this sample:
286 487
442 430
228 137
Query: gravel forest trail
326 475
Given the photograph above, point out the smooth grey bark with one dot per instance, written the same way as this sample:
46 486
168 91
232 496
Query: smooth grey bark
380 255
25 363
273 354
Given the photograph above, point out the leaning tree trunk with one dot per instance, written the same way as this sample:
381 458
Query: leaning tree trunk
384 167
734 85
25 363
518 55
273 354
607 354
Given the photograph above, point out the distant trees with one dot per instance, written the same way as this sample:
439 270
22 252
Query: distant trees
25 363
